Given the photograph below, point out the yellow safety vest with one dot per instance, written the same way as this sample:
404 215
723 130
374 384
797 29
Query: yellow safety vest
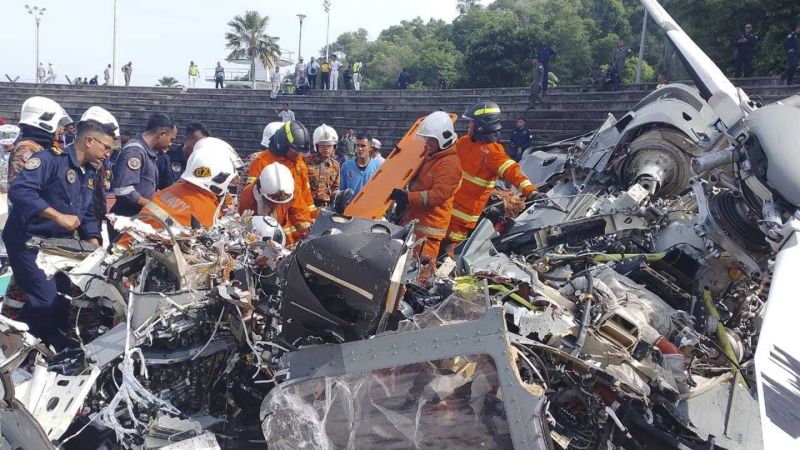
193 71
356 67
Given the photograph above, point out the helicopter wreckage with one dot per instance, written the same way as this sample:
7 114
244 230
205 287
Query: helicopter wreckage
643 302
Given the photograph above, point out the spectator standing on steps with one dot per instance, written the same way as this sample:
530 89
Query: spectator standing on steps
536 85
127 70
618 57
404 79
41 74
745 49
325 72
219 76
286 115
521 140
276 83
792 47
357 75
312 70
544 55
194 74
335 64
107 75
51 74
347 77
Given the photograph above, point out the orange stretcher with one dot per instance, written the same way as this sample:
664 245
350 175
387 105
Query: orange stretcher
400 167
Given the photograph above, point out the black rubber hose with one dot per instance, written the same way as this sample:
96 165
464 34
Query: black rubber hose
587 314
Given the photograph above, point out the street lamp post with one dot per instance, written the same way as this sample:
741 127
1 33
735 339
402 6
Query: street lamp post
326 5
641 49
300 40
114 49
37 14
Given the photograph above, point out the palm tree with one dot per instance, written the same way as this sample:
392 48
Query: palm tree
248 39
167 82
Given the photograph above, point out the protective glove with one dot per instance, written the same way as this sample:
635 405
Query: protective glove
400 197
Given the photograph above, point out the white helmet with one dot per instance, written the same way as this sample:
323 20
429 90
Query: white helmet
41 113
268 229
8 134
325 135
269 130
210 166
276 183
376 144
104 118
438 125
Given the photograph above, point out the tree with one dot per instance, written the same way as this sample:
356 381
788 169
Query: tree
168 82
463 6
248 39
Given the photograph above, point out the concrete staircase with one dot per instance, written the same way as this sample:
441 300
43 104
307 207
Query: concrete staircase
239 116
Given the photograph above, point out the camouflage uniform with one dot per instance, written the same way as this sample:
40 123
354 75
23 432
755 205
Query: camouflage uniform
347 147
323 175
19 156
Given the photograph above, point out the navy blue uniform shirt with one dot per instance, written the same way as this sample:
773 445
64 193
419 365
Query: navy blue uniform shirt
52 178
135 176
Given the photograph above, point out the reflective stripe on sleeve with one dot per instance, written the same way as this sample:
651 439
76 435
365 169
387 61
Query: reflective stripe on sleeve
424 196
525 184
479 181
503 167
464 216
457 237
430 231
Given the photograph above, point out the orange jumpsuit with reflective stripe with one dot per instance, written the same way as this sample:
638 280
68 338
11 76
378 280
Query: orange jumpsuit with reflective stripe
303 200
179 201
430 198
247 201
483 163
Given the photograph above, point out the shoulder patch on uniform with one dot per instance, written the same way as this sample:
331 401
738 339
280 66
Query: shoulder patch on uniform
33 164
176 167
90 183
134 163
71 176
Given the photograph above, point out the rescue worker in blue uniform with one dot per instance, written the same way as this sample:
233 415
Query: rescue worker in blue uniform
135 177
172 163
53 198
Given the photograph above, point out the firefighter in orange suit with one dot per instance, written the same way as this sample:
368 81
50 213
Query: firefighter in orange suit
483 160
429 198
270 196
288 145
194 200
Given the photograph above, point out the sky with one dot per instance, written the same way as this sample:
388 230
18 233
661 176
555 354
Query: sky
160 37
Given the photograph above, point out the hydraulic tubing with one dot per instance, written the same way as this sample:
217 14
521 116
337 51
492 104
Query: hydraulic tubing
587 314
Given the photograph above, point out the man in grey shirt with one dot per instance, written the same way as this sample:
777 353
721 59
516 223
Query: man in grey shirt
286 115
107 75
536 84
618 57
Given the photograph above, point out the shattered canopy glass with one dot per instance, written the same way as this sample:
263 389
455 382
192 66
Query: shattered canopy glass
450 403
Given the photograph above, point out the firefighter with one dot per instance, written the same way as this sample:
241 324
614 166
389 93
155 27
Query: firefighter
323 170
271 196
53 197
483 161
196 199
38 122
429 197
287 146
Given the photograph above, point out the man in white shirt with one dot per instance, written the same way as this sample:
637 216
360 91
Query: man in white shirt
286 115
276 83
335 74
